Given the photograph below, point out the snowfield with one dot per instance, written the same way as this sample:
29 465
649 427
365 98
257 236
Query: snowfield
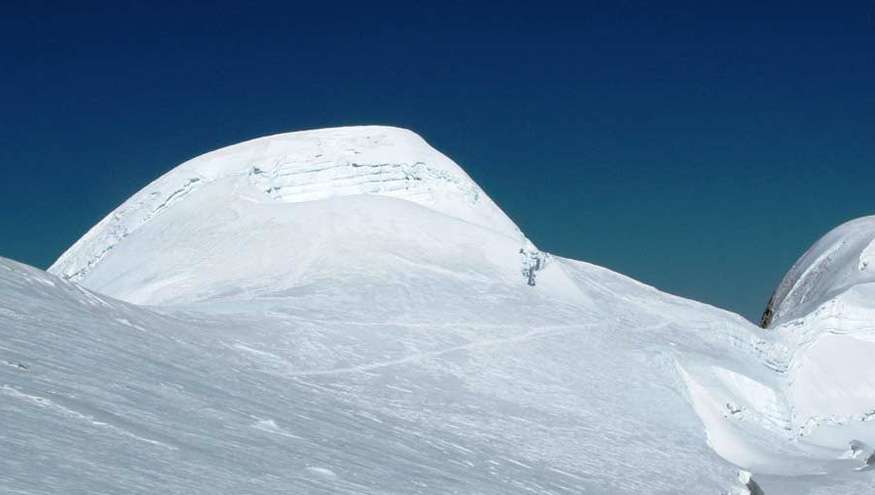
346 311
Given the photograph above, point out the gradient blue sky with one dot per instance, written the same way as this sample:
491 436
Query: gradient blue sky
699 148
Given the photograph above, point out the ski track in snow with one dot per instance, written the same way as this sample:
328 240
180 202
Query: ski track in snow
53 406
536 333
541 332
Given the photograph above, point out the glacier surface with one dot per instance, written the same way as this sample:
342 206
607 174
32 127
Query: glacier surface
346 311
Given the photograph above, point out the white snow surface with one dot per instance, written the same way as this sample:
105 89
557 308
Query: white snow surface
841 259
345 311
824 310
268 174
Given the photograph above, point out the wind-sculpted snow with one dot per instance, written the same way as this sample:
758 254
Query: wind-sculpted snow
286 395
117 398
308 330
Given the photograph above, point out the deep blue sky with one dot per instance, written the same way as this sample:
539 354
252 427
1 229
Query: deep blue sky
698 148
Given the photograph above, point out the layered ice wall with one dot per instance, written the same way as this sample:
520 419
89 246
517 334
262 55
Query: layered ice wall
823 313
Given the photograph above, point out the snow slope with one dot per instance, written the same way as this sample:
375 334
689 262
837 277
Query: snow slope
542 397
367 331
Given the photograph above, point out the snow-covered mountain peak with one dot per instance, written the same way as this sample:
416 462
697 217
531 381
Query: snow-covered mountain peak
242 216
840 260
